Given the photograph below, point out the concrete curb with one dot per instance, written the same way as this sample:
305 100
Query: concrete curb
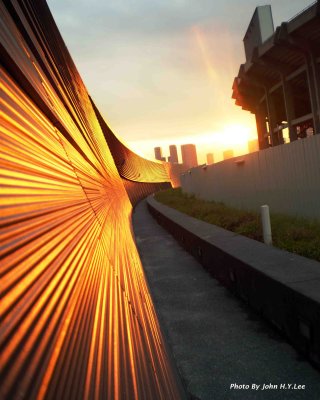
283 287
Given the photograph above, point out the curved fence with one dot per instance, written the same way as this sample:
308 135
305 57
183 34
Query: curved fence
130 165
77 317
141 177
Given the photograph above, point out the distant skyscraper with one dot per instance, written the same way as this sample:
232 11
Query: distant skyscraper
158 153
209 158
173 153
189 155
228 154
253 145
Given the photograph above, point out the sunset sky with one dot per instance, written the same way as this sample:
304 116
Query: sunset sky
161 71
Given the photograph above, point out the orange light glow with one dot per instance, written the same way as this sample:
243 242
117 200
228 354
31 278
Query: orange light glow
236 135
77 317
232 136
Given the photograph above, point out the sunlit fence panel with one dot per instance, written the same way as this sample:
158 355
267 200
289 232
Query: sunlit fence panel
77 320
130 165
141 177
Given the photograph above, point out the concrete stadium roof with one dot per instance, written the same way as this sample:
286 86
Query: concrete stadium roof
282 54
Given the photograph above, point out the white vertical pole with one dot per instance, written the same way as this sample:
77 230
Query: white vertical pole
266 225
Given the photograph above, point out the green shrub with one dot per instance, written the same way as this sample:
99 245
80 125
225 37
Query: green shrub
297 235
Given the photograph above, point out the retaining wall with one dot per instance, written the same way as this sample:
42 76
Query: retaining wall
283 287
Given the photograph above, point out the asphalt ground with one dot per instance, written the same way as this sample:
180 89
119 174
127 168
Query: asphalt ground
222 349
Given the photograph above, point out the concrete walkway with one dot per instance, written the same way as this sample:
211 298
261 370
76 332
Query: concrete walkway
216 340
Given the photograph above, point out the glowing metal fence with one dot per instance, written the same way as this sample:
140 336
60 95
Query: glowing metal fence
130 165
77 317
140 176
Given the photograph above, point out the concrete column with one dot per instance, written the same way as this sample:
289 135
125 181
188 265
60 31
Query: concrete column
280 137
316 77
271 119
288 103
313 85
261 128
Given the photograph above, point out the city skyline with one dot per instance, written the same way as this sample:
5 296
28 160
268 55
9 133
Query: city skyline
189 155
163 72
210 158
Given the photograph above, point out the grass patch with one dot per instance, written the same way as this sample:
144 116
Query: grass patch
297 235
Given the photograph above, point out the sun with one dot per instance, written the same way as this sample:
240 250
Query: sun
237 135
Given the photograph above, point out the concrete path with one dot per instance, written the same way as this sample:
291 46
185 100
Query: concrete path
217 342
